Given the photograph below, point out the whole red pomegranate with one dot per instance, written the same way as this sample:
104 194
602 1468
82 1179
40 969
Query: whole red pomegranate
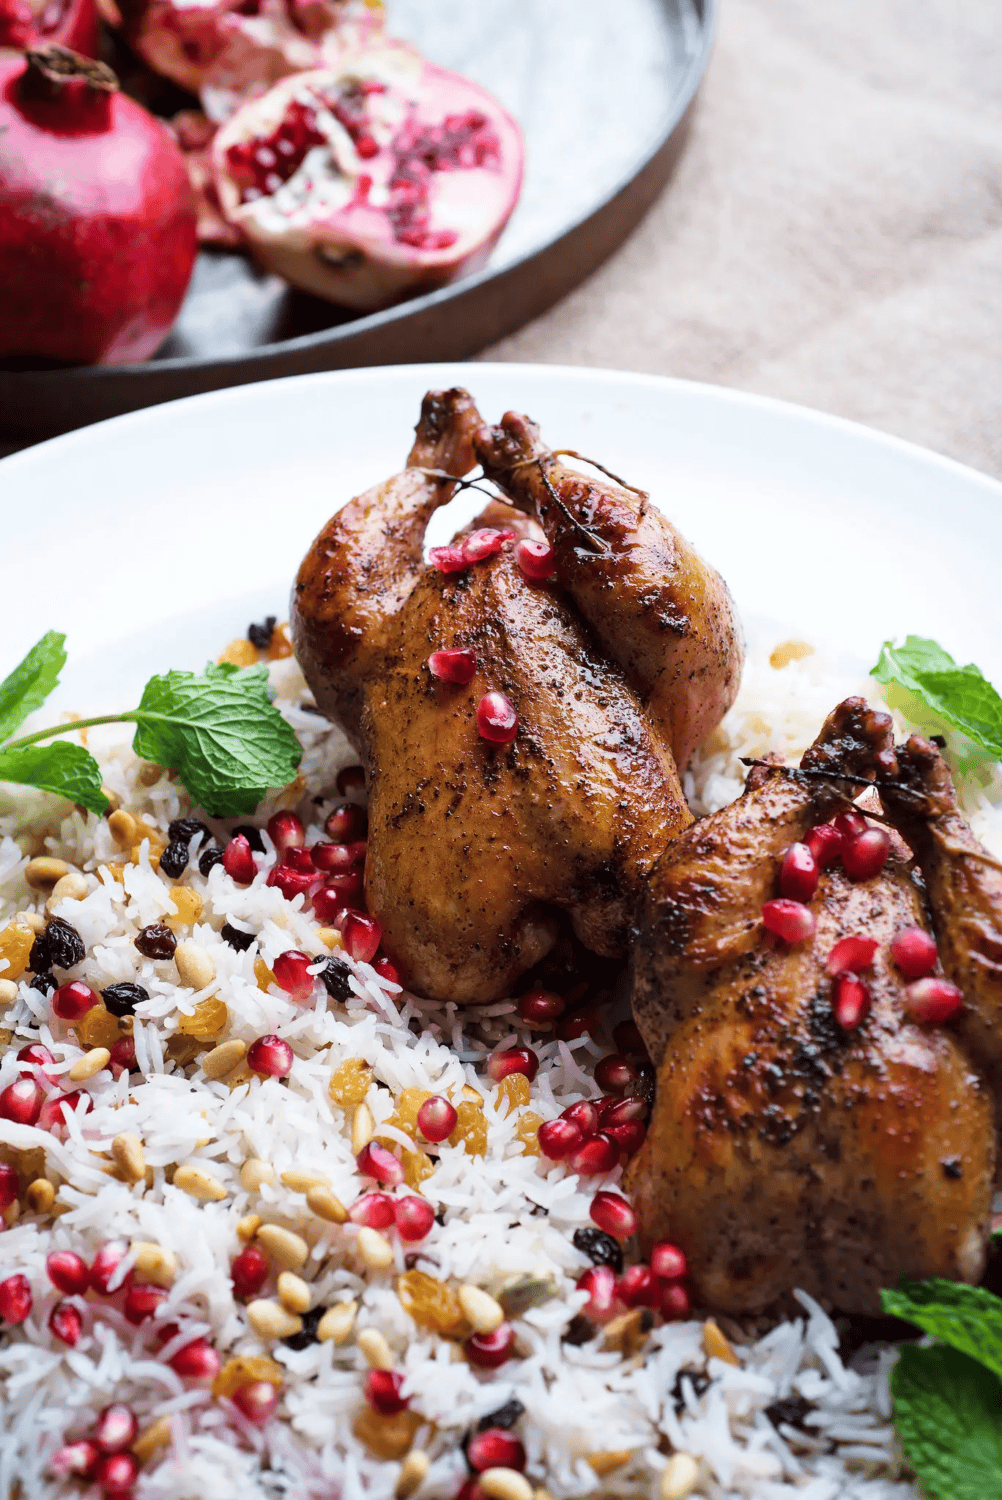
97 223
33 23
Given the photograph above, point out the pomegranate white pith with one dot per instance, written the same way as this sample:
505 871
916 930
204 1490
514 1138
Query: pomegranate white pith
368 183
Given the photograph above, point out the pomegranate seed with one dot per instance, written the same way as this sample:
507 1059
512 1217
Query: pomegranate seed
626 1035
68 1272
123 1056
15 1299
117 1473
36 1056
347 822
249 1271
584 1115
10 1186
668 1262
334 858
558 1139
374 1210
470 1489
141 1302
615 1073
350 779
115 1428
639 1287
75 1461
348 885
286 831
238 861
675 1301
915 953
599 1154
600 1284
66 1323
484 543
299 859
71 1001
932 1001
291 883
536 560
613 1214
540 1008
488 1351
271 1056
850 825
850 1001
789 920
164 1332
626 1111
497 721
292 973
436 1119
104 1277
798 875
513 1060
628 1137
414 1217
329 906
448 559
196 1361
362 936
386 970
825 844
583 1022
55 1112
21 1101
852 954
376 1161
866 856
455 664
256 1401
495 1448
382 1391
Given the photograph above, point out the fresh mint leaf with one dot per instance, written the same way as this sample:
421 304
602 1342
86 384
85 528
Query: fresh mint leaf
960 696
948 1416
68 770
967 1317
220 732
31 682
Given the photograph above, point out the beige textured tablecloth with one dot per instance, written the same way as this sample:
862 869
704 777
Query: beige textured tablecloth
833 233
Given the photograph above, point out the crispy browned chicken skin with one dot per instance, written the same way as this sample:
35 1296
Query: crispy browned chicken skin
472 847
784 1152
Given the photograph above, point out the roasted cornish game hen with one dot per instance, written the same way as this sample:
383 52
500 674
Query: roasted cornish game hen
477 843
812 1128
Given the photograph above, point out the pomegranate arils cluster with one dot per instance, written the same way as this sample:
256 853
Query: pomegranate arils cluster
261 166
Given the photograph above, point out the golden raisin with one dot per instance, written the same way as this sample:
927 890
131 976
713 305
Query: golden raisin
431 1303
350 1083
387 1437
514 1088
208 1019
417 1166
263 974
245 1369
187 908
240 652
15 946
97 1027
280 646
527 1131
471 1129
184 1049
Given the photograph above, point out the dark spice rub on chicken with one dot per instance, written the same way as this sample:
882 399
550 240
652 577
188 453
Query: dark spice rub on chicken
475 848
785 1151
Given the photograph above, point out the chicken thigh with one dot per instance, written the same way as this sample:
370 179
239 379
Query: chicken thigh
785 1151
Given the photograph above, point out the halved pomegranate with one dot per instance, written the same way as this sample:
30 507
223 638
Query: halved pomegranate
370 182
30 23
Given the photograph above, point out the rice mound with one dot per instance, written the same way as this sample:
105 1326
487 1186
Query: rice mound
506 1212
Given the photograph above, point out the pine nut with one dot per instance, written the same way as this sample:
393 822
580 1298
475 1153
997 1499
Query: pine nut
293 1293
363 1128
290 1250
483 1313
301 1182
32 919
374 1248
271 1321
224 1058
505 1484
195 967
679 1478
608 1463
8 992
71 887
92 1062
123 828
127 1153
113 800
375 1348
248 1227
42 872
149 773
199 1184
413 1472
326 1205
716 1345
337 1323
254 1173
157 1435
40 1195
154 1263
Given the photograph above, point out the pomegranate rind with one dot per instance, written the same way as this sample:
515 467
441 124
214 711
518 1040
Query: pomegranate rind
327 228
36 23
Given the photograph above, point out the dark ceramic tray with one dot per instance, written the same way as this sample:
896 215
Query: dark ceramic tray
603 94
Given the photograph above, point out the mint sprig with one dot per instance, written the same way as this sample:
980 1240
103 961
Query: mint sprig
220 731
969 1318
947 1414
960 697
